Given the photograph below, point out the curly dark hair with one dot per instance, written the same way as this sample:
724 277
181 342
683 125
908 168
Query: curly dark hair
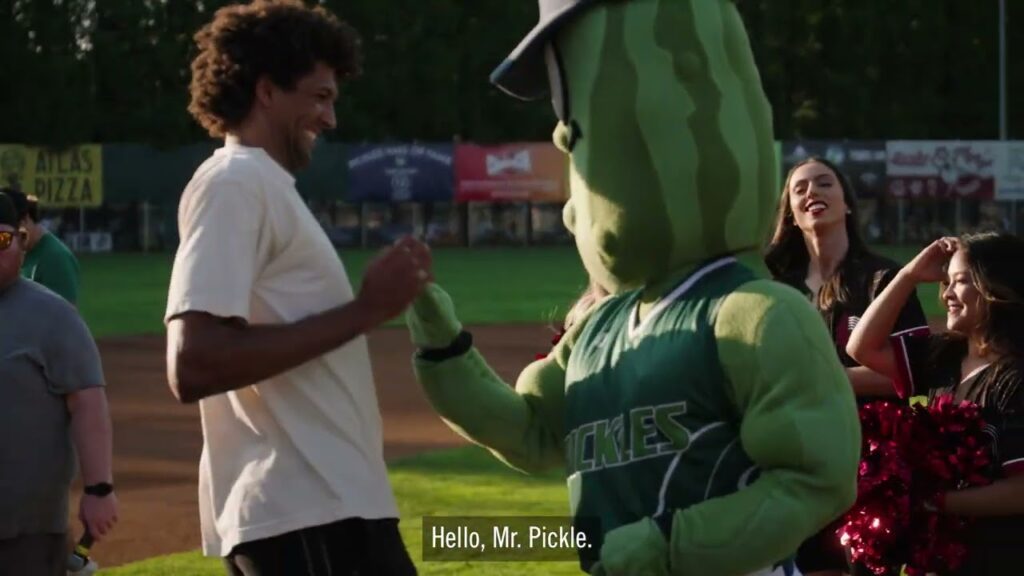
280 39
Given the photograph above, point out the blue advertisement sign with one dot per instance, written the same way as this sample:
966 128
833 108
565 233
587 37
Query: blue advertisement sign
400 173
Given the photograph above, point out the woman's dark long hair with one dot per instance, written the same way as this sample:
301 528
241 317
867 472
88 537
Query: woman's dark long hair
786 255
996 264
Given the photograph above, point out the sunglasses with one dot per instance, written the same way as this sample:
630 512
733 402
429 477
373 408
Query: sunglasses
7 238
559 86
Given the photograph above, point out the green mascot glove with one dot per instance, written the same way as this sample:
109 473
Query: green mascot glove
521 425
432 322
637 549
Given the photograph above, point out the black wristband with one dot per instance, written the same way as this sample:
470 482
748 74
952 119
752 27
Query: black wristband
99 490
462 343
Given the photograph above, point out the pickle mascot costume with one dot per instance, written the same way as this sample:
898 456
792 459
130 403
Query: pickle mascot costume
703 418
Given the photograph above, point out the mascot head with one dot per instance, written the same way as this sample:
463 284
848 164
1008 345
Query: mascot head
667 127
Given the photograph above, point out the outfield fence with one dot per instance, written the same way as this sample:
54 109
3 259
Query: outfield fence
124 197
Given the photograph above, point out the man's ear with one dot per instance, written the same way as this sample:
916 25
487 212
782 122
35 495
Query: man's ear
265 91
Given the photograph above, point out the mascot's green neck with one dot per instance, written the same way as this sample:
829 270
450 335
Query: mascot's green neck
653 292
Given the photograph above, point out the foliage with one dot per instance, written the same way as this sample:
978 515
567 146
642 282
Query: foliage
118 70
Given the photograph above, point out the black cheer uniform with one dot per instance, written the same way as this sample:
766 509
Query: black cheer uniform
930 364
870 275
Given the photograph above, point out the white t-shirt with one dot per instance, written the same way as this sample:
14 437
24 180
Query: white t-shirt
303 448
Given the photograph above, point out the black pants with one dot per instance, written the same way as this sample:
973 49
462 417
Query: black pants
350 547
35 555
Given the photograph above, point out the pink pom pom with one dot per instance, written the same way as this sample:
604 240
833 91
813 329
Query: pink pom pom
911 458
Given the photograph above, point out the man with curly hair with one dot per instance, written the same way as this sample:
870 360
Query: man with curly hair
264 329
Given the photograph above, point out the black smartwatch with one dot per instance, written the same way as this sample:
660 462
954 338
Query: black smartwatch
100 489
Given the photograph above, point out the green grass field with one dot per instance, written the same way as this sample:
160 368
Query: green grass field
126 293
460 482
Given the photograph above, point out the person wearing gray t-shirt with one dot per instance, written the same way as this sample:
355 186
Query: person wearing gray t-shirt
52 406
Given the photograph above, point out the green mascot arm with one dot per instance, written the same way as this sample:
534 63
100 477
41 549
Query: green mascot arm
799 424
523 426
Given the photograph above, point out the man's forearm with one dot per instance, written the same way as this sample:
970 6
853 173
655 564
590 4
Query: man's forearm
91 434
230 357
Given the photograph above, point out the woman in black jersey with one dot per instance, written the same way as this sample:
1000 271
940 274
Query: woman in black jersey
817 249
979 359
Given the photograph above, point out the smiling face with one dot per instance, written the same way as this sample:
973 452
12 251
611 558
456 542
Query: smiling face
301 114
816 198
965 307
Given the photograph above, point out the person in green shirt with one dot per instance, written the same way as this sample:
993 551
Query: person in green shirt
48 261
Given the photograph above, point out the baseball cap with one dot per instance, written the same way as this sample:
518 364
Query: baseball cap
522 74
8 214
21 202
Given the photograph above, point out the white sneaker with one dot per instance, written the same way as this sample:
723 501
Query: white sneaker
88 570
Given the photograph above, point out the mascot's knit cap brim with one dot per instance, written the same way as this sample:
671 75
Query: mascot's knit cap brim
8 215
522 73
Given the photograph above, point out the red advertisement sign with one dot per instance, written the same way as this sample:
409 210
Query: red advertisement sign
526 172
941 169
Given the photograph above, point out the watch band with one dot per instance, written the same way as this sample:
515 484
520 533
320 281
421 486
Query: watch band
462 343
99 489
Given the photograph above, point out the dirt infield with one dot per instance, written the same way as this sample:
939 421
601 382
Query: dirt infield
157 441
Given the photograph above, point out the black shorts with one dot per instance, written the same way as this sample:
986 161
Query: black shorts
35 555
350 547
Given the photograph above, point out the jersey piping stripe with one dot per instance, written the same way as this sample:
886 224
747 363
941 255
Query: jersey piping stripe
919 330
675 462
711 479
1014 466
635 330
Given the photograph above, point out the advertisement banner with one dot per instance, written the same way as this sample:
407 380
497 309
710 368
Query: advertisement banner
400 173
941 169
1010 172
526 172
863 162
68 178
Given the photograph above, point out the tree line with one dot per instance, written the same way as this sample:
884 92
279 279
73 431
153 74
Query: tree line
118 70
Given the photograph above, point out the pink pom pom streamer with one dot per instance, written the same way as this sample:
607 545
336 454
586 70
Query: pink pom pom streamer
911 457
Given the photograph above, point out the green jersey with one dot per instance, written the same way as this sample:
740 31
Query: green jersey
651 426
713 437
52 264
